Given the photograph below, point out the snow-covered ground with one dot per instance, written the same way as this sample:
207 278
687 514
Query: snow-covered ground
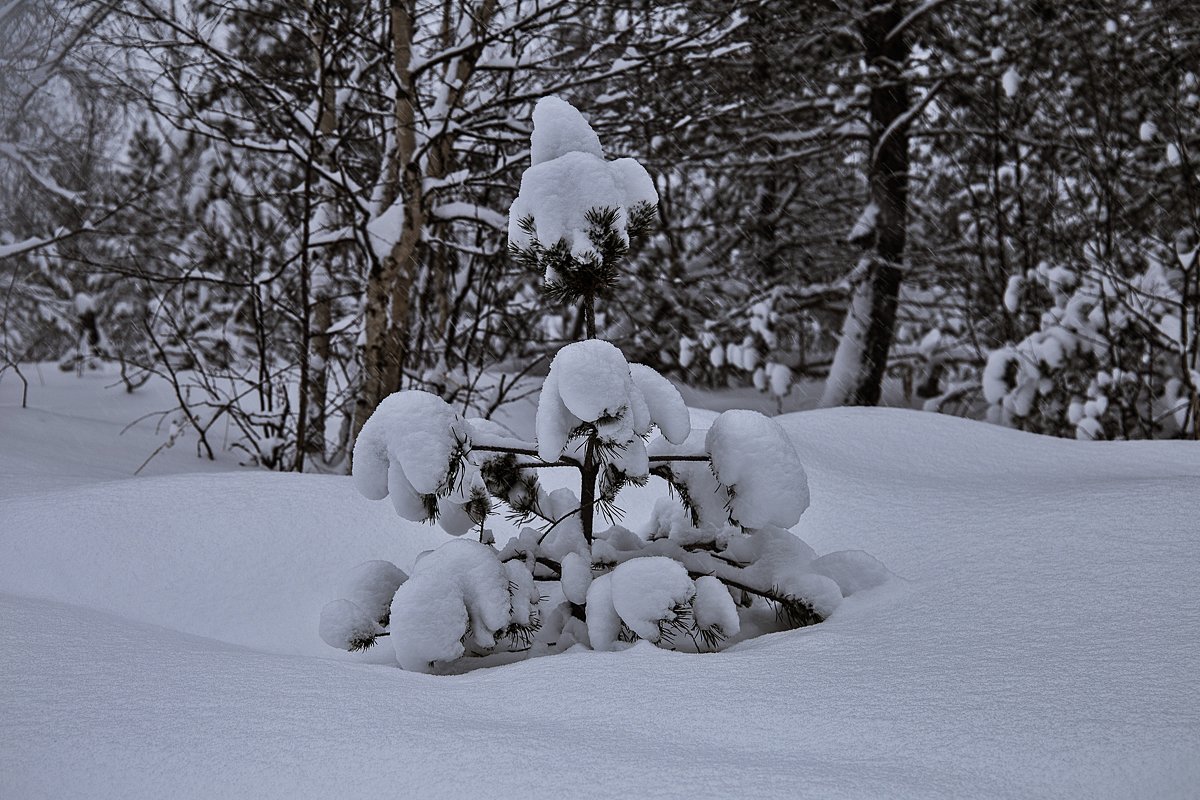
158 635
74 431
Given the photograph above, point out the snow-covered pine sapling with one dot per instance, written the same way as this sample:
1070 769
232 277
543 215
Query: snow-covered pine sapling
715 559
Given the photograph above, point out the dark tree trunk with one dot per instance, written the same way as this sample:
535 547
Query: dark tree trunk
871 320
889 190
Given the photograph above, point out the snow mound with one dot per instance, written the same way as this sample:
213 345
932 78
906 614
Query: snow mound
249 558
1023 654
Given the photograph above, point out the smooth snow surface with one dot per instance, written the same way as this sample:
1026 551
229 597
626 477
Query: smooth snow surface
76 431
158 638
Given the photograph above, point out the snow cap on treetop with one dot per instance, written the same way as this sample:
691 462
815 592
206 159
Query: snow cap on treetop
558 129
569 177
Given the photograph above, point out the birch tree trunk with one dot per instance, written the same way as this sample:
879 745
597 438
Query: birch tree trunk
386 301
392 283
318 314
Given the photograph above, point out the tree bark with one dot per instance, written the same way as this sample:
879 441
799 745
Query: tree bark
317 312
322 302
856 377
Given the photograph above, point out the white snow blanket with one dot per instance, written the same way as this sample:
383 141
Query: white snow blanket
159 638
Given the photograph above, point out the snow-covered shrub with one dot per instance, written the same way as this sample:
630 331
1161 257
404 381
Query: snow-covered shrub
762 341
1113 356
714 561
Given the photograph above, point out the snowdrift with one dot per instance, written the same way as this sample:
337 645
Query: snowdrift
159 636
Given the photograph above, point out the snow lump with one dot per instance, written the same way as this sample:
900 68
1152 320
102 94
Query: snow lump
569 177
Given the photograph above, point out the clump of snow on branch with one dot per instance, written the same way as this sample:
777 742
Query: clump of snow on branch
649 593
664 403
1011 81
413 431
371 586
705 499
413 449
354 621
457 597
852 570
590 382
753 457
576 578
714 610
346 626
653 598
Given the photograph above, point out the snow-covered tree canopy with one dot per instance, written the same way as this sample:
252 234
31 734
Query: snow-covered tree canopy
292 210
1112 356
568 179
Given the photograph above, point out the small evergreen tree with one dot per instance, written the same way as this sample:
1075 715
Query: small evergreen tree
715 554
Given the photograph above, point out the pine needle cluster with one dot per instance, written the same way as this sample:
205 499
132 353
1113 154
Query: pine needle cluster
571 279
